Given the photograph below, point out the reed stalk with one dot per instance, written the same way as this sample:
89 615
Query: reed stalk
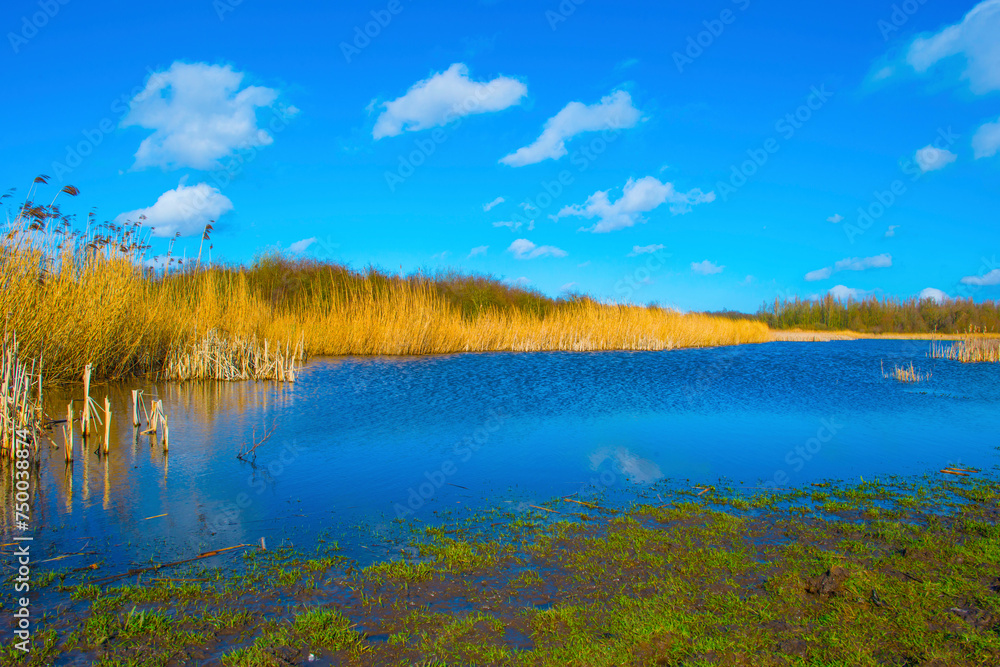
84 298
107 423
970 350
20 406
135 408
68 432
155 417
906 374
85 415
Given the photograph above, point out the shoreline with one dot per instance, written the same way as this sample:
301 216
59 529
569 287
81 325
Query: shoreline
802 335
826 573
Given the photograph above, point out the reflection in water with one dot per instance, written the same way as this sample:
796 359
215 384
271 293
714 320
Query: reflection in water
356 438
635 468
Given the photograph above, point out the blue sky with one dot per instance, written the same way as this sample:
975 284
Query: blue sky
703 157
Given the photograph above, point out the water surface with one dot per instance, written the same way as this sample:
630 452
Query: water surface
358 442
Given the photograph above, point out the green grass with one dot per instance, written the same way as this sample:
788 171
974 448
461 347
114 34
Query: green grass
900 573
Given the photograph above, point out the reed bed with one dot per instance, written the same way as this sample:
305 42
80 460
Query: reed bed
219 358
372 314
89 297
973 349
20 399
906 374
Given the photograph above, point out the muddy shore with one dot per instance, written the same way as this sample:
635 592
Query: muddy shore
899 572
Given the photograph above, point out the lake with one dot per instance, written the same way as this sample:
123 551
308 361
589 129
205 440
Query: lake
359 442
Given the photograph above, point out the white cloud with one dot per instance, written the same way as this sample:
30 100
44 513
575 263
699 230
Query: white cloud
439 257
185 209
492 204
889 233
934 294
747 281
986 140
478 250
819 274
583 264
645 249
638 197
518 282
861 263
930 158
843 293
851 264
302 246
567 287
443 98
835 218
613 112
975 38
158 262
706 268
884 73
525 249
512 225
991 278
199 115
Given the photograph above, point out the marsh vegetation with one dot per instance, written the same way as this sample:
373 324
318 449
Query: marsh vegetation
92 295
900 572
906 373
973 348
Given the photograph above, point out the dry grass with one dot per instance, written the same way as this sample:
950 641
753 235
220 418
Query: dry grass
974 348
906 374
20 398
81 297
217 358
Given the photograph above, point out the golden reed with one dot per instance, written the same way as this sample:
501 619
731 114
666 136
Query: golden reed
20 398
970 350
906 374
90 297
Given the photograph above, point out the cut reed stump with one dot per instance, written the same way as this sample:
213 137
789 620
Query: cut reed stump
153 419
217 358
20 407
166 433
158 418
85 415
107 423
68 432
135 408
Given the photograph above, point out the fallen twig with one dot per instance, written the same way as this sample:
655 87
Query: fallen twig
250 455
580 502
154 568
81 553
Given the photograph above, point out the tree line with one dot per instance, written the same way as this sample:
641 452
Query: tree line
886 315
